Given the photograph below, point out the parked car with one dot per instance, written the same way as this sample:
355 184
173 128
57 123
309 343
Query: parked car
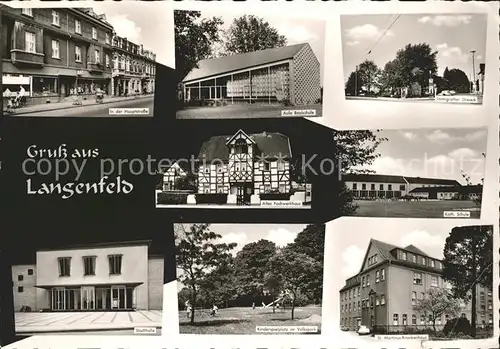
447 93
363 330
344 328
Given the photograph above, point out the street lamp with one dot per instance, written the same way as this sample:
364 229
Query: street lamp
473 52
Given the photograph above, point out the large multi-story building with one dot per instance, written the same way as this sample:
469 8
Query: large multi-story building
391 281
99 277
134 68
373 186
55 52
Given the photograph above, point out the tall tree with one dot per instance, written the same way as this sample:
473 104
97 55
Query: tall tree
219 284
251 267
353 84
353 150
311 242
197 253
293 270
390 79
468 261
437 301
194 38
369 74
415 64
249 33
457 80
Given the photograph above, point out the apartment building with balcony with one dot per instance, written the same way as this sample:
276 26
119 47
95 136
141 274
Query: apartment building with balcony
134 68
97 277
390 283
55 52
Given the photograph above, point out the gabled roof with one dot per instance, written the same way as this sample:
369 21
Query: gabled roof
380 178
371 177
414 249
269 144
462 189
237 133
425 180
223 65
184 165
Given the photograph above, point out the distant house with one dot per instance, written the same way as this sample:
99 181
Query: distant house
170 177
466 192
290 73
372 186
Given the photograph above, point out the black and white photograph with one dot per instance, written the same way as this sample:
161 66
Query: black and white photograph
243 65
417 173
97 61
413 279
240 169
434 58
91 288
249 278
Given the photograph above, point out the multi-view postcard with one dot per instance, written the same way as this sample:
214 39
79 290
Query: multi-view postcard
81 61
241 65
418 173
249 278
91 288
427 58
413 279
244 168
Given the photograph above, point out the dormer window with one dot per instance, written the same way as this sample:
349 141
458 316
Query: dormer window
241 147
403 256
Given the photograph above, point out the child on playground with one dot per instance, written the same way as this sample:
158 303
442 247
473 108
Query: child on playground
214 310
188 309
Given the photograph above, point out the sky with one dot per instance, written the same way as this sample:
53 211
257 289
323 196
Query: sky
434 153
296 30
453 36
138 21
426 234
242 234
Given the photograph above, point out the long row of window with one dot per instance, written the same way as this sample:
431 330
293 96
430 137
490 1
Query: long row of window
402 187
409 257
89 265
56 22
363 304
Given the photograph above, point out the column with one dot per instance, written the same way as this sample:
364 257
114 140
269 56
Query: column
215 83
199 90
232 92
269 82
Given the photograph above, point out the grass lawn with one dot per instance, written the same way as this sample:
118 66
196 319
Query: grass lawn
245 320
242 111
414 209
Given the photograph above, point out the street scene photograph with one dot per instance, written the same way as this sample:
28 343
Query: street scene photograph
240 169
428 279
91 288
241 65
97 61
417 173
249 278
414 57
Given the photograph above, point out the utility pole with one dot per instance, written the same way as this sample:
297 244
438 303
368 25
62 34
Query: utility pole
473 52
356 81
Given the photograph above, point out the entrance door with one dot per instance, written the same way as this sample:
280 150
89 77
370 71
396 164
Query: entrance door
58 299
358 323
118 297
88 298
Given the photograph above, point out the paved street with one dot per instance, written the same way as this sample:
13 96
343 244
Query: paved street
98 110
27 323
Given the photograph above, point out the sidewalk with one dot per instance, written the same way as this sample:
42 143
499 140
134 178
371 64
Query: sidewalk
67 104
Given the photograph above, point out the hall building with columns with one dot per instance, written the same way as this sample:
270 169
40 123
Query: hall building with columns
134 68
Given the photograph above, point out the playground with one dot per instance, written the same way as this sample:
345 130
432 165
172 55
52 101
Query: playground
244 320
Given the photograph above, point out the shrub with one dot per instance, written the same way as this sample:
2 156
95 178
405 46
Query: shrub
275 196
218 199
167 198
457 325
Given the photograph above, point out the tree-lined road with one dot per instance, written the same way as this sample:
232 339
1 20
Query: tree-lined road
99 110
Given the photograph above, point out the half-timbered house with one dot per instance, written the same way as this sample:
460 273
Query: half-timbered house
171 176
245 165
278 75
